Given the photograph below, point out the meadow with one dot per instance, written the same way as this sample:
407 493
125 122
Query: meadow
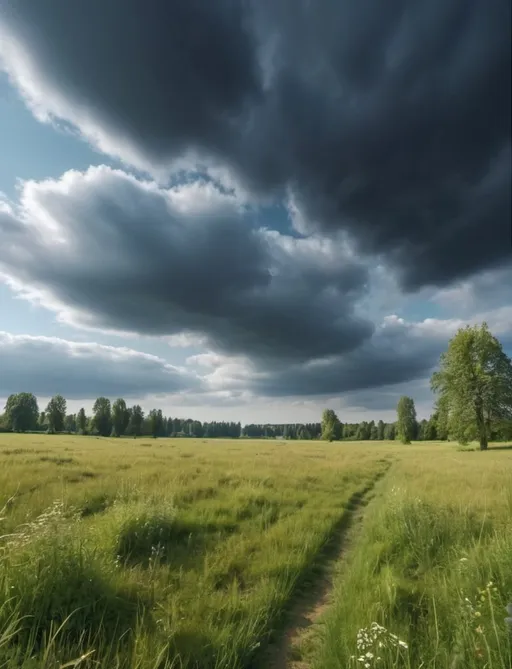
241 554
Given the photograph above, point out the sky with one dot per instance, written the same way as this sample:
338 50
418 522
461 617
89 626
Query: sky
251 210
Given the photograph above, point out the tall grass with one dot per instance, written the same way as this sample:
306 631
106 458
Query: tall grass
429 577
169 554
135 555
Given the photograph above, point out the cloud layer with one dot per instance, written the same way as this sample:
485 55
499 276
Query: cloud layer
108 251
398 352
388 120
48 365
382 129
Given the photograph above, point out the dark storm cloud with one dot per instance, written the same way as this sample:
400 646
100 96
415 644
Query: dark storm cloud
47 365
398 352
387 119
108 251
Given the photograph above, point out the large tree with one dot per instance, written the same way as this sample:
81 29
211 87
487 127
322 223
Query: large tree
331 426
22 412
81 421
120 417
406 419
156 423
474 384
102 420
56 413
70 423
136 421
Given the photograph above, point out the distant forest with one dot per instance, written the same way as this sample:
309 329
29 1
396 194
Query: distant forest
22 415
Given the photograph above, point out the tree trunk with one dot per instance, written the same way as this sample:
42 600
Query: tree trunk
482 428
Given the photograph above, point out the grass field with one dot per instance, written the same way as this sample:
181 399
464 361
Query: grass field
194 554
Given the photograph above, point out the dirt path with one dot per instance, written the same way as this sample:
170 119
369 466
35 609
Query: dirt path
309 605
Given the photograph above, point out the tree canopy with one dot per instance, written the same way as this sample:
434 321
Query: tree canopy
120 417
406 419
331 426
22 412
102 420
56 414
474 385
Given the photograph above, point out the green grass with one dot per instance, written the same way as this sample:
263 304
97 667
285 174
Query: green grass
432 565
161 553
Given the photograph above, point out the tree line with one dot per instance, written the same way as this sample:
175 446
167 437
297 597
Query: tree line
473 386
108 419
116 419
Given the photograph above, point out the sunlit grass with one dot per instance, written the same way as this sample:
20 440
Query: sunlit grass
161 553
432 565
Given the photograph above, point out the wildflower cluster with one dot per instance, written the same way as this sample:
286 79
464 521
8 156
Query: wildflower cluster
157 554
373 642
474 610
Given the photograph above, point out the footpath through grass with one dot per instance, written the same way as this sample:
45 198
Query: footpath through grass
429 574
162 553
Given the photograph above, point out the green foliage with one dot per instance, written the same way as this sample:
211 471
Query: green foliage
81 421
120 418
56 414
156 423
406 419
474 385
331 426
70 423
22 412
102 419
136 421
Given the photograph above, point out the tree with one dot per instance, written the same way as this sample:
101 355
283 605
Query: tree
22 412
56 413
331 427
81 421
70 423
102 420
156 423
406 419
474 384
390 431
431 428
380 430
136 421
120 417
363 431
